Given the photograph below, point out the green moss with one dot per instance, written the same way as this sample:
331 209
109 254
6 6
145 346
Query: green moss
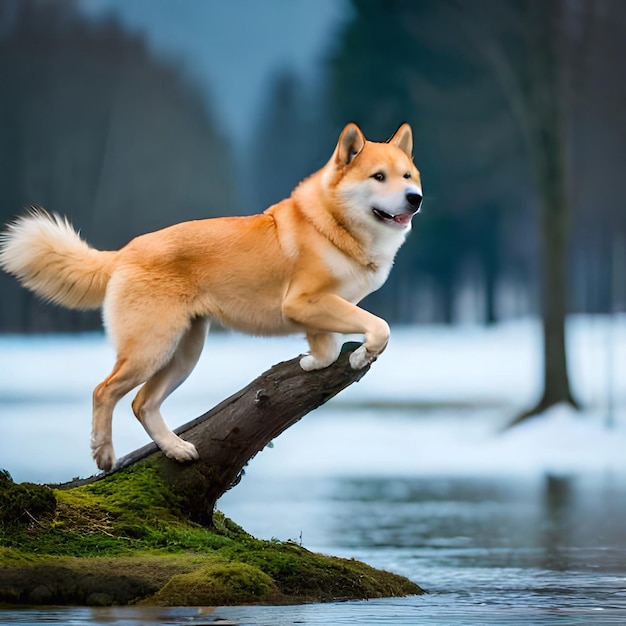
24 502
306 575
12 556
133 499
126 538
129 511
216 584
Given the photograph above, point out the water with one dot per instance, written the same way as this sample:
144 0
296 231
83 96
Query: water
541 549
504 550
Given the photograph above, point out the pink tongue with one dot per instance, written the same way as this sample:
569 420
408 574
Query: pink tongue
403 218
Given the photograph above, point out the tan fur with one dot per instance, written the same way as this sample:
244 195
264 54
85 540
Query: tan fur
301 266
48 256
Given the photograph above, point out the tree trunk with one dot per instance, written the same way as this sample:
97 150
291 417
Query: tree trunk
228 436
547 121
556 386
554 305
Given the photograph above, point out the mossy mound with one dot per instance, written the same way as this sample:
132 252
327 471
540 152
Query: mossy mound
126 539
219 583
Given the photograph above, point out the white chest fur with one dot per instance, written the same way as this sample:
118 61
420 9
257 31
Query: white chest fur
355 280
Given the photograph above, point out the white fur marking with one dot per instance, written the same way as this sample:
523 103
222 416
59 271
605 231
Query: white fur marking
360 358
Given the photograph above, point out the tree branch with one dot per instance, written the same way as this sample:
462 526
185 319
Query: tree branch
228 436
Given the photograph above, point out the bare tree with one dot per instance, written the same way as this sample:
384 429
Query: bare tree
543 114
533 68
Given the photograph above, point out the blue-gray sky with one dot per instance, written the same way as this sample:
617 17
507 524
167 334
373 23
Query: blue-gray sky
234 47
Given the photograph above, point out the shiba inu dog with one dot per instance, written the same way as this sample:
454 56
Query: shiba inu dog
301 266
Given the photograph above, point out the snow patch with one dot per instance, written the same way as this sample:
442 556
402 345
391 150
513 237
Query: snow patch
46 385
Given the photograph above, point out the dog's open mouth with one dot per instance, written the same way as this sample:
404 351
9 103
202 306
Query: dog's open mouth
401 219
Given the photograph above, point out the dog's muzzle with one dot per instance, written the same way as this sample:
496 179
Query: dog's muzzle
415 201
412 206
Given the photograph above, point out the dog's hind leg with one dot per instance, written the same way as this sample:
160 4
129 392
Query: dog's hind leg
126 375
140 355
147 403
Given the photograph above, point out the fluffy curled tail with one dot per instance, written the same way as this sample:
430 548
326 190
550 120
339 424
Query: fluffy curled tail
49 257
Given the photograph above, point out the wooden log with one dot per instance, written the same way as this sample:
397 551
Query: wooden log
228 436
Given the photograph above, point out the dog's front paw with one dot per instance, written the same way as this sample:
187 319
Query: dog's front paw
360 358
181 451
309 363
104 456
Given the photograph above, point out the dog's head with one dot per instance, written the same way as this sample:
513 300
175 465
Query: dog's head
377 184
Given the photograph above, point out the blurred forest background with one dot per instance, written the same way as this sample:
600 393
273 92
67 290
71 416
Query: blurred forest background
99 123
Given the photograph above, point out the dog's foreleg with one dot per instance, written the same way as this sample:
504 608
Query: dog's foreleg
325 348
147 403
331 313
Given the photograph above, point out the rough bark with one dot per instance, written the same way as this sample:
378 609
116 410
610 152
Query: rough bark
547 107
228 436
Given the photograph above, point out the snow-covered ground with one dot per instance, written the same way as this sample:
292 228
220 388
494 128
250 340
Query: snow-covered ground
441 396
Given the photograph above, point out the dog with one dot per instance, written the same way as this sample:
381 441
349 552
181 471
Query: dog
300 266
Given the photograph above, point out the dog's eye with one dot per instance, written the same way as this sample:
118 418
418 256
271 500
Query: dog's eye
407 175
379 176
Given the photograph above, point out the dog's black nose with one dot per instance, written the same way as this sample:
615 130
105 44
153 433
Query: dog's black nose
414 199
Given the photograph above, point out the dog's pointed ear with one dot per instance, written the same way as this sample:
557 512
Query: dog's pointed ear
403 138
351 142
